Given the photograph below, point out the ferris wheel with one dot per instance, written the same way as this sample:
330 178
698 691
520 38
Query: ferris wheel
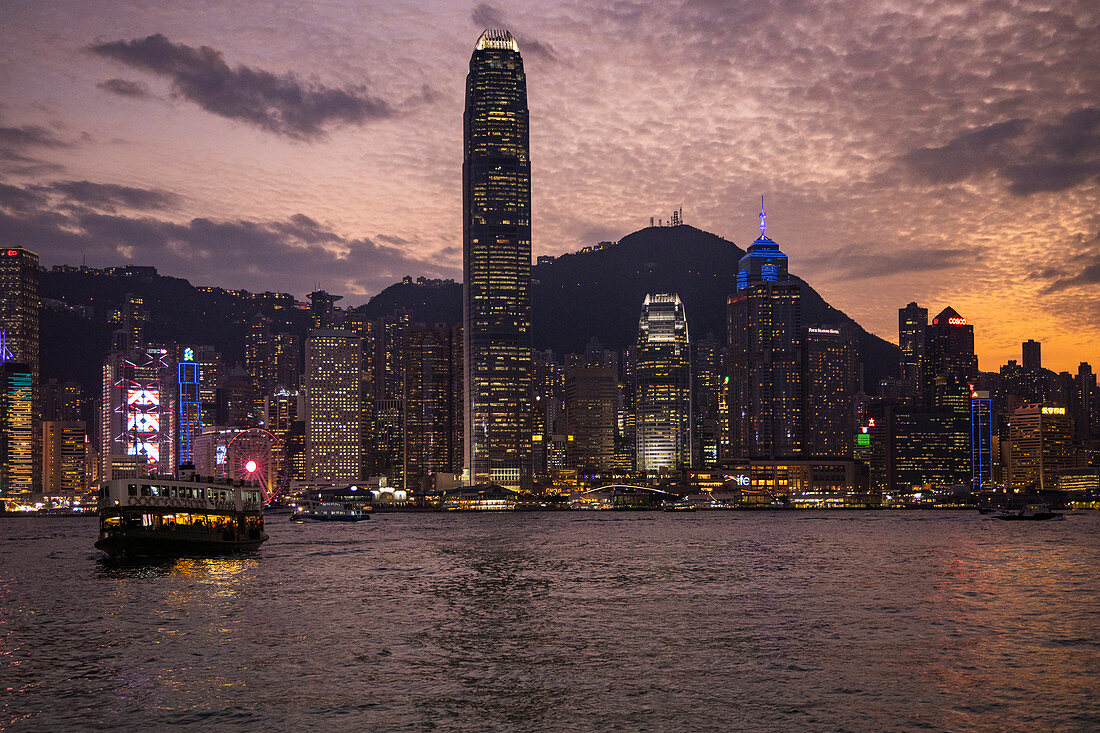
255 455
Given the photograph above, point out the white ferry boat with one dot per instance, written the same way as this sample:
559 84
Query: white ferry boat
144 517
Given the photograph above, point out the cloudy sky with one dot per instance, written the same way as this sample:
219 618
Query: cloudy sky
943 152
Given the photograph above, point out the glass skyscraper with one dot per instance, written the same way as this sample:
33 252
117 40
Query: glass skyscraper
765 355
662 392
496 262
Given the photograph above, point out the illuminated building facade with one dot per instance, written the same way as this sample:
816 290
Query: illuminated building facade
496 261
662 385
19 306
707 390
765 356
949 366
912 321
137 412
190 405
829 387
981 442
925 450
432 417
1040 446
332 406
591 410
17 440
63 454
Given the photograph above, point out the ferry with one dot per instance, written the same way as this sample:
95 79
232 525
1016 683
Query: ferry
329 511
151 517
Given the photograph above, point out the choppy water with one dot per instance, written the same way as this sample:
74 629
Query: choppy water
571 621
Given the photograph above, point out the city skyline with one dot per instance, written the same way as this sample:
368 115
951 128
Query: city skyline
900 162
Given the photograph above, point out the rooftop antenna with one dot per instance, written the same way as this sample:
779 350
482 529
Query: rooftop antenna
763 217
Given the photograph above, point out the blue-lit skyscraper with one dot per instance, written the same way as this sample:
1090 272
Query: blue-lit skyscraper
190 405
981 442
765 355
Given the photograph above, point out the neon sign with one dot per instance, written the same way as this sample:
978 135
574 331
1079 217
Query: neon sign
12 253
956 321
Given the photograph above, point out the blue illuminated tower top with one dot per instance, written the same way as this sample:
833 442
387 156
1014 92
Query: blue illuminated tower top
763 262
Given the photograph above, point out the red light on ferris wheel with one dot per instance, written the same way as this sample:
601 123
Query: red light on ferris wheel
250 466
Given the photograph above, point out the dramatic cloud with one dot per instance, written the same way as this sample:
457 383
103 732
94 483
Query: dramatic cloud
109 196
125 88
54 221
282 104
16 143
1031 157
862 262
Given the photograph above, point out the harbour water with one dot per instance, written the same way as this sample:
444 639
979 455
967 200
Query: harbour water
564 621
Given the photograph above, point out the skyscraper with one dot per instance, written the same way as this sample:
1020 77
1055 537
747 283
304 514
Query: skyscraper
430 421
496 262
19 306
591 401
662 385
949 365
17 440
828 389
765 355
1040 446
1033 355
912 320
332 440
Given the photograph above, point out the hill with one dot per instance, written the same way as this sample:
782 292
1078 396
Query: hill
597 292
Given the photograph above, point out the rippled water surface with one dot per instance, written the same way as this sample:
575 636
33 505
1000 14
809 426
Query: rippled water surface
564 621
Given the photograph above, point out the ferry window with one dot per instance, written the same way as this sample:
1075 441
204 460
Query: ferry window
133 489
145 491
109 522
175 492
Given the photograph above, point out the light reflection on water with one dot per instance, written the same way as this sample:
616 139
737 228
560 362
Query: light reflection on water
796 621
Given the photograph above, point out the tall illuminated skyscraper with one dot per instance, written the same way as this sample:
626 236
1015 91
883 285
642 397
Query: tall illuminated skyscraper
912 321
765 355
662 391
496 262
19 306
332 440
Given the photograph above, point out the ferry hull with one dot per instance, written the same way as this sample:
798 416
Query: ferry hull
147 545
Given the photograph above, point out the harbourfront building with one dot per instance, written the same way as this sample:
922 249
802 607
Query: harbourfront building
765 356
496 262
19 306
332 440
1040 446
662 386
17 443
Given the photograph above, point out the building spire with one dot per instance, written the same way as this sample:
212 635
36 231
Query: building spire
763 217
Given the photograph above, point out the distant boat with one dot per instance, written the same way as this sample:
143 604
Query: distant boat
323 511
683 505
1032 512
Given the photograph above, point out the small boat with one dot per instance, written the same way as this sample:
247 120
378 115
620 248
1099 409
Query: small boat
164 517
328 511
1032 512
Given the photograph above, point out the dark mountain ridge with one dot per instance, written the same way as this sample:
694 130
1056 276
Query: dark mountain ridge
596 292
